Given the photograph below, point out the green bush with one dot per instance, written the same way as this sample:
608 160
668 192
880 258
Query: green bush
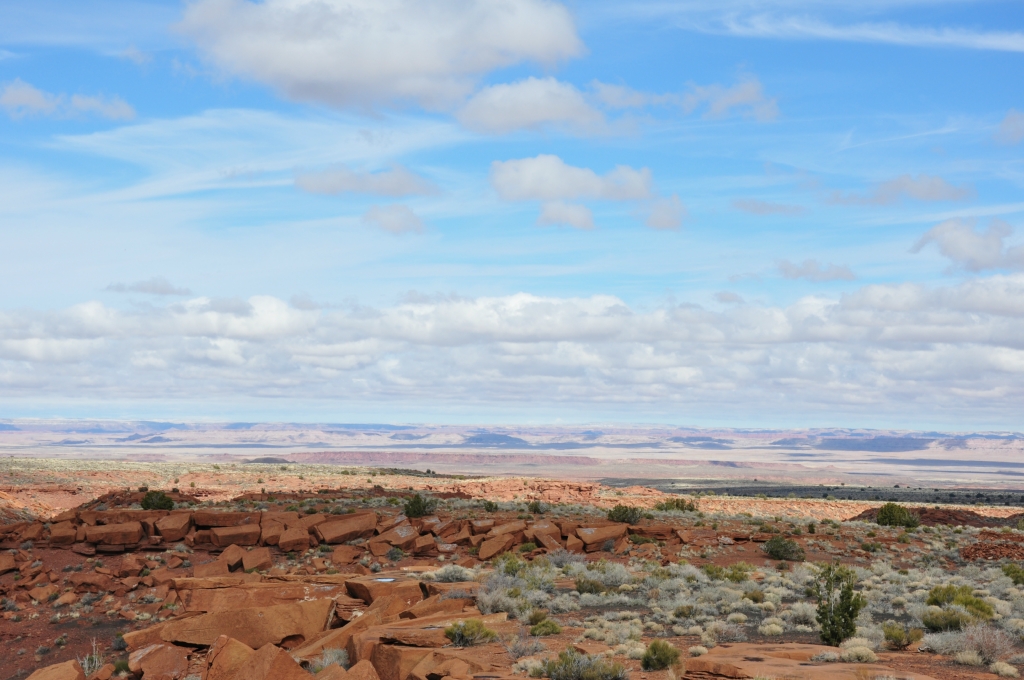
779 548
157 500
678 504
527 547
490 506
895 515
571 665
962 596
1014 572
536 507
536 616
417 506
588 585
545 627
898 637
683 611
940 620
468 633
121 666
838 604
636 539
624 513
659 656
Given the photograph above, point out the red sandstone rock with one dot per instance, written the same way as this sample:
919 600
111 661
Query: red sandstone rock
258 559
160 662
255 627
294 540
401 536
211 569
7 563
232 556
115 534
598 535
345 554
214 518
69 670
175 526
495 546
348 528
63 533
246 534
363 670
270 532
270 663
226 658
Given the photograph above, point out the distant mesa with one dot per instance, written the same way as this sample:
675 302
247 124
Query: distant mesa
156 440
496 440
4 427
240 426
268 460
71 442
407 436
708 443
879 444
132 438
371 426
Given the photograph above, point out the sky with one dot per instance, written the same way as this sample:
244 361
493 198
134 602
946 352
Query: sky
781 213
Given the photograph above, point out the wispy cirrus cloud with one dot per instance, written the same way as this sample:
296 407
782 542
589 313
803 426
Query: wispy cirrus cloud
1011 129
396 181
922 188
758 207
815 271
20 100
157 285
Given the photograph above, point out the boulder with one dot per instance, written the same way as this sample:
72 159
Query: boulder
348 528
481 526
232 556
507 528
573 544
270 532
495 546
175 526
160 662
63 533
93 583
211 569
226 658
598 535
332 672
213 518
370 588
402 536
42 593
295 539
270 663
346 554
395 662
255 627
258 559
69 670
435 605
548 541
115 534
263 595
7 563
246 534
363 670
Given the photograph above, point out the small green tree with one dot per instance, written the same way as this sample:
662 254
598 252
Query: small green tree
779 548
624 513
895 515
838 604
157 500
418 506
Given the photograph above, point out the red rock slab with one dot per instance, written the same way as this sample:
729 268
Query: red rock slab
495 546
115 534
270 663
546 527
232 556
481 526
363 670
332 672
248 534
63 533
69 670
212 518
160 662
598 535
175 526
42 593
348 528
468 587
310 522
745 660
255 626
573 544
270 532
386 523
370 588
210 569
258 559
435 605
295 539
346 554
263 595
104 673
507 528
442 663
7 563
548 541
93 583
401 536
226 658
394 662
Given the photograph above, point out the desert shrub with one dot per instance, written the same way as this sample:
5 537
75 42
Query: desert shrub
536 507
895 515
571 665
490 506
394 553
898 637
659 656
1014 572
562 557
755 596
329 657
625 513
536 616
714 572
1004 670
803 613
157 500
92 661
990 643
545 627
452 573
969 657
521 646
683 611
508 564
418 506
779 548
527 547
677 504
961 596
838 604
825 657
468 633
637 539
121 666
770 629
585 584
858 655
937 620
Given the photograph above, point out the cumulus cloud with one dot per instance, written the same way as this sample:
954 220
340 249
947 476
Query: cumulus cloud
812 270
728 298
567 214
548 177
368 53
974 250
718 101
397 181
20 99
532 103
396 219
666 213
919 347
157 285
756 207
921 188
1011 130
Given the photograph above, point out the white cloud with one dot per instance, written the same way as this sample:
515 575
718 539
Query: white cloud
916 347
561 213
396 219
667 213
157 285
397 181
728 297
366 53
1011 130
812 270
757 207
747 95
548 177
532 103
135 55
21 99
922 188
974 250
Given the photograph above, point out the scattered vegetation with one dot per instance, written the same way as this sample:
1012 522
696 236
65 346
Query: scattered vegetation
895 515
838 604
468 633
157 500
418 506
779 548
659 656
626 514
571 665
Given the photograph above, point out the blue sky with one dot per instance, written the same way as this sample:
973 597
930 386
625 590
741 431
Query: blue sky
786 213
